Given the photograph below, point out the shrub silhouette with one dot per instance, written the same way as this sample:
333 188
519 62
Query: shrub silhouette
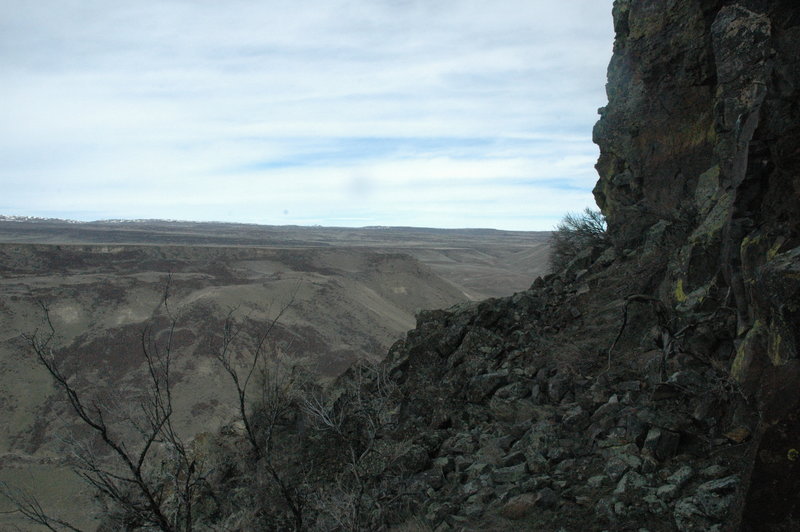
574 234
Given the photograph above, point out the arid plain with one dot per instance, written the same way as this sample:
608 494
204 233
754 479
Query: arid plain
350 294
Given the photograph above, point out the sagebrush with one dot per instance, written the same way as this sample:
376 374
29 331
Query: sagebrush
574 234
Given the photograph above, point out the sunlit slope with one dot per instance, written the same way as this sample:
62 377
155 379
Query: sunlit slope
344 304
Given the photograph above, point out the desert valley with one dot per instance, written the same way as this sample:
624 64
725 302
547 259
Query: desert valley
348 295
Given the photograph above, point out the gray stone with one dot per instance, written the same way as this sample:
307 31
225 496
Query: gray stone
481 387
546 498
462 443
515 390
667 492
473 510
478 468
557 387
513 459
661 443
630 481
654 504
680 477
615 468
445 463
596 481
506 475
629 386
714 471
720 485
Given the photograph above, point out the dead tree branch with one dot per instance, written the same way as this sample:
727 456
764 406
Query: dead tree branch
275 400
131 473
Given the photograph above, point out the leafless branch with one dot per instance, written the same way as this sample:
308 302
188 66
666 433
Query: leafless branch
129 478
29 507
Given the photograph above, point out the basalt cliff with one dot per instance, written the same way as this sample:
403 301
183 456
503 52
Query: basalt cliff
653 384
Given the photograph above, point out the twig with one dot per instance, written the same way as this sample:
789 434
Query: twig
641 298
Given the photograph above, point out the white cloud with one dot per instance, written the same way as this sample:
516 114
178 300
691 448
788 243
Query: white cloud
208 110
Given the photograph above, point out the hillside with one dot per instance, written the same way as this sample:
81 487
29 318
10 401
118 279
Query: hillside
483 262
652 384
351 294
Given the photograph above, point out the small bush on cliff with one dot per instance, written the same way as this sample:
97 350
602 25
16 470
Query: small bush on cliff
574 234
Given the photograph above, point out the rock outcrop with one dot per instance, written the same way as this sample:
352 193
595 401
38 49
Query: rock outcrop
700 145
655 385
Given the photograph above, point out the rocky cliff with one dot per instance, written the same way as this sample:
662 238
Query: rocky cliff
653 385
700 158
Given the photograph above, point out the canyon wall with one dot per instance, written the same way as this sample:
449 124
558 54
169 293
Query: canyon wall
700 163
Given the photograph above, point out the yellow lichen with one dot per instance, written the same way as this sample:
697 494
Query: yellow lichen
775 248
748 241
774 348
711 226
740 364
752 343
680 295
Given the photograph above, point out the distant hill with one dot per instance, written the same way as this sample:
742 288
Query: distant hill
483 262
353 292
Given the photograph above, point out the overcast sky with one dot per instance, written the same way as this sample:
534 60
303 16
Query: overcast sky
439 113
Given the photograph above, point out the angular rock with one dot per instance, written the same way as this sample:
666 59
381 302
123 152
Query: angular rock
680 477
513 459
546 498
596 481
519 507
511 474
481 387
630 481
661 443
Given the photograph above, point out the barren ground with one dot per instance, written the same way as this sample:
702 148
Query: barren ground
353 292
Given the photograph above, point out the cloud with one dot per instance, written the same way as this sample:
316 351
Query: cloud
385 112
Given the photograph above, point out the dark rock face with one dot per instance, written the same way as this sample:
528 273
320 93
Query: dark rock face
702 132
659 387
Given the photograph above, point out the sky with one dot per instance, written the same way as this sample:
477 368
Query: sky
427 113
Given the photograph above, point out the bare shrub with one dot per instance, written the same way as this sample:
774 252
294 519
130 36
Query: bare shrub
574 234
144 473
265 413
355 420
